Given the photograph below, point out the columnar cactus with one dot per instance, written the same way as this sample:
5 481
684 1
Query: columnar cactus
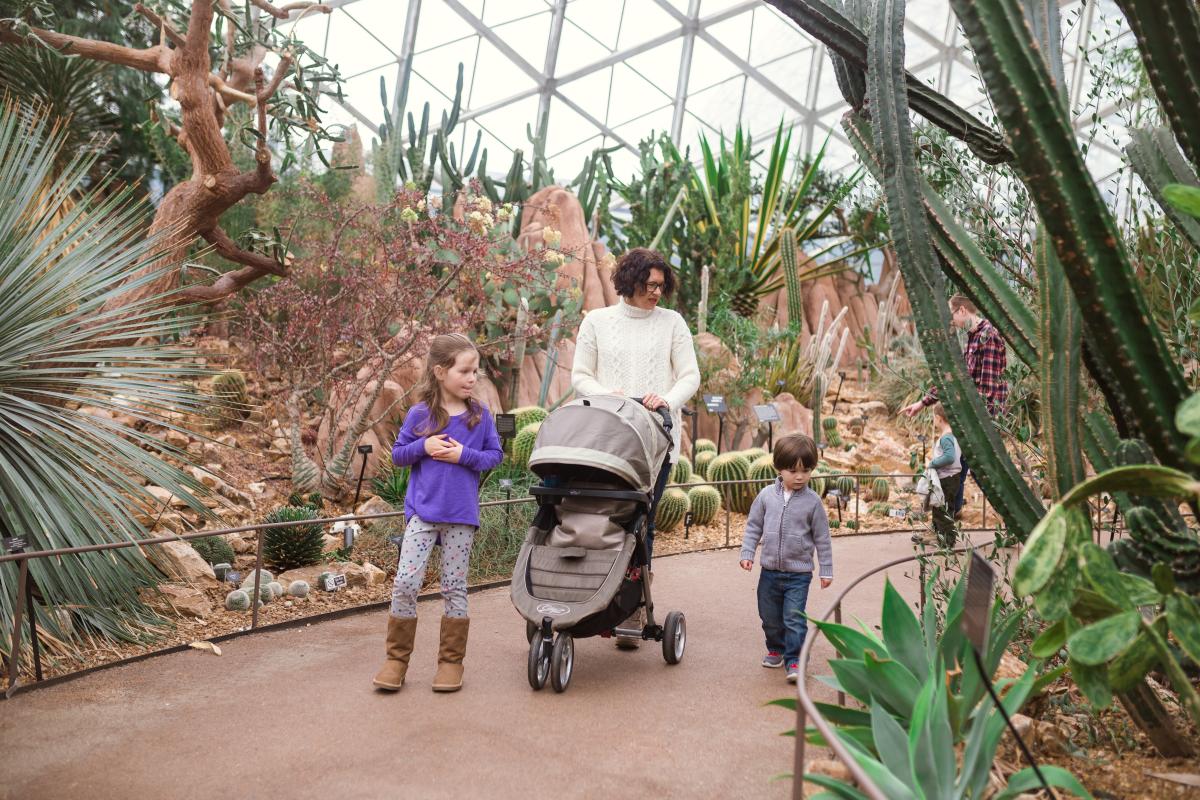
880 509
789 258
733 467
705 502
672 507
818 397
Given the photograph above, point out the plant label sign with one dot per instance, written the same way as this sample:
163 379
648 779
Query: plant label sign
715 403
334 582
506 425
767 413
898 513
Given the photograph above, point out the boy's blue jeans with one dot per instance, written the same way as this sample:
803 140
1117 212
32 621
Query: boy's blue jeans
782 597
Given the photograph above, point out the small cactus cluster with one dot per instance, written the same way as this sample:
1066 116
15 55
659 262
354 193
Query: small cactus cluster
733 467
296 545
682 471
522 444
703 459
705 503
880 489
213 549
880 509
832 437
238 600
231 400
312 500
264 579
852 524
834 524
672 507
298 589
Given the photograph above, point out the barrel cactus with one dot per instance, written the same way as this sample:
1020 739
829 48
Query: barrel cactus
752 454
705 502
682 471
733 467
231 400
528 415
846 486
265 593
880 489
298 589
880 509
703 459
851 524
522 445
817 484
238 600
213 549
829 424
672 507
763 469
276 589
295 545
706 445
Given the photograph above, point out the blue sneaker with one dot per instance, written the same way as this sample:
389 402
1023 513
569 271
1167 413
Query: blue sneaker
773 659
793 671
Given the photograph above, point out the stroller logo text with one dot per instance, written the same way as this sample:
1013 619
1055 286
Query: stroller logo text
552 610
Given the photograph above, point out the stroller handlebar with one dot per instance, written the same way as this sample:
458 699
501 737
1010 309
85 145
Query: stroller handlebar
663 411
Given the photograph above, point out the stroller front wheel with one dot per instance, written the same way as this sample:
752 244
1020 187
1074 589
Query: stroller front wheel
562 661
674 637
539 662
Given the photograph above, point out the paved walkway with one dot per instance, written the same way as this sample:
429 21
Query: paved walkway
292 714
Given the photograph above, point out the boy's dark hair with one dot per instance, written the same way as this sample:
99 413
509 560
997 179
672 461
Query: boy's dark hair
633 271
793 449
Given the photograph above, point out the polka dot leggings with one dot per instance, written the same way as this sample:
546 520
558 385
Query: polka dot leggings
419 539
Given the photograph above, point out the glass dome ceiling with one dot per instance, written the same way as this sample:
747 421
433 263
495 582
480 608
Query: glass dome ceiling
609 72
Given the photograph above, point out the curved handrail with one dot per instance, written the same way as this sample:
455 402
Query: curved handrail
805 706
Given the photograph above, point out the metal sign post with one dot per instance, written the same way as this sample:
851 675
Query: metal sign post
715 403
365 450
768 413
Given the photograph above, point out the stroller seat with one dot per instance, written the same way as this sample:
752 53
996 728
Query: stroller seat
581 549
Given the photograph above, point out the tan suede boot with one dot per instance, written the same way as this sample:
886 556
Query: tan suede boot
400 633
450 655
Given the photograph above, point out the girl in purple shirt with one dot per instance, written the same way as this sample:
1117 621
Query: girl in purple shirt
449 439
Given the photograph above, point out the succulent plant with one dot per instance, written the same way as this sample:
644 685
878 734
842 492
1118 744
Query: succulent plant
265 593
231 401
880 489
705 444
522 444
296 545
672 507
705 502
829 424
703 459
237 600
880 509
817 484
733 467
213 549
248 581
851 524
276 589
762 469
846 486
752 454
527 415
834 524
682 471
298 589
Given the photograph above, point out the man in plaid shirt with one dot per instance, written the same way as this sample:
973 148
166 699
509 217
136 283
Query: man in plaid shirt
986 360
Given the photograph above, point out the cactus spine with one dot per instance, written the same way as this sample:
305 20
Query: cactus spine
733 467
705 502
672 507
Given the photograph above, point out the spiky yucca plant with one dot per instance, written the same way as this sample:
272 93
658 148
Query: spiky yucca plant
70 476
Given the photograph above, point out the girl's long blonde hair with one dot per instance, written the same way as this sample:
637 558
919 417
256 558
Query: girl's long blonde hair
443 352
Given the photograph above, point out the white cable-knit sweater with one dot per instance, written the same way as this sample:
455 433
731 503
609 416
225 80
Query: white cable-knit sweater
623 349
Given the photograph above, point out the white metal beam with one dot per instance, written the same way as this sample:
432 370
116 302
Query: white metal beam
685 69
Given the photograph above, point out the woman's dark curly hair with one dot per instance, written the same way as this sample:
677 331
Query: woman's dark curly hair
633 270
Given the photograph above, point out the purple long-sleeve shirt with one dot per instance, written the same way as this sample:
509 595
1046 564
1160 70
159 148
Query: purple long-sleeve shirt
439 491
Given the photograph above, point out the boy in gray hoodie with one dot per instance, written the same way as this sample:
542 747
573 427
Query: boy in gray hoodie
789 522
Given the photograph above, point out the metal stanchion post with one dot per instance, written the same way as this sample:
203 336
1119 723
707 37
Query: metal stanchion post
257 579
33 634
365 450
727 526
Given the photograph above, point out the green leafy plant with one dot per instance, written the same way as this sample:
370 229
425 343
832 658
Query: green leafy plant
391 484
923 698
296 545
213 549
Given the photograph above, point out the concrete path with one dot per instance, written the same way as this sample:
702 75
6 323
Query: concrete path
292 714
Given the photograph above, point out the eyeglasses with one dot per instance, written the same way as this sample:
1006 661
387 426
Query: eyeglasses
654 286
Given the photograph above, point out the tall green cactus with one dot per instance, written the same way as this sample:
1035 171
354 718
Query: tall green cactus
818 397
1085 235
1003 484
791 273
1061 330
1156 159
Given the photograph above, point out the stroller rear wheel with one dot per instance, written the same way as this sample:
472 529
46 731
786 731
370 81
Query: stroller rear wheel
530 630
674 637
562 661
539 662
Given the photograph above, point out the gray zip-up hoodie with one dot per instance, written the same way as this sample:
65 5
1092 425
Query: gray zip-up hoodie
789 531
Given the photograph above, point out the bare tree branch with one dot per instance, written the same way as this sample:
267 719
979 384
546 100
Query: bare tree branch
167 31
284 11
150 59
227 248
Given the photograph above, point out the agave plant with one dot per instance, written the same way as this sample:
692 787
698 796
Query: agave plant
70 474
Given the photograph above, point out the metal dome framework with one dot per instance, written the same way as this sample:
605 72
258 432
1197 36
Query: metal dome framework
602 73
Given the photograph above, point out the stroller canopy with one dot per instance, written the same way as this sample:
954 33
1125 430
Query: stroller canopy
607 432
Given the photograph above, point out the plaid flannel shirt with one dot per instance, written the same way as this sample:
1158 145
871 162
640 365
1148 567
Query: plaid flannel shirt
986 360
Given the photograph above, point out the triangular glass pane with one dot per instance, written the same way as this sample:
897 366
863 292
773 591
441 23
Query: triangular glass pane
495 78
382 21
508 124
577 49
566 127
633 95
718 106
774 36
660 65
440 66
653 122
439 24
709 67
734 33
498 13
591 93
353 49
644 20
600 18
528 36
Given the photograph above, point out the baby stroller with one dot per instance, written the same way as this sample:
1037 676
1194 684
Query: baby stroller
583 567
